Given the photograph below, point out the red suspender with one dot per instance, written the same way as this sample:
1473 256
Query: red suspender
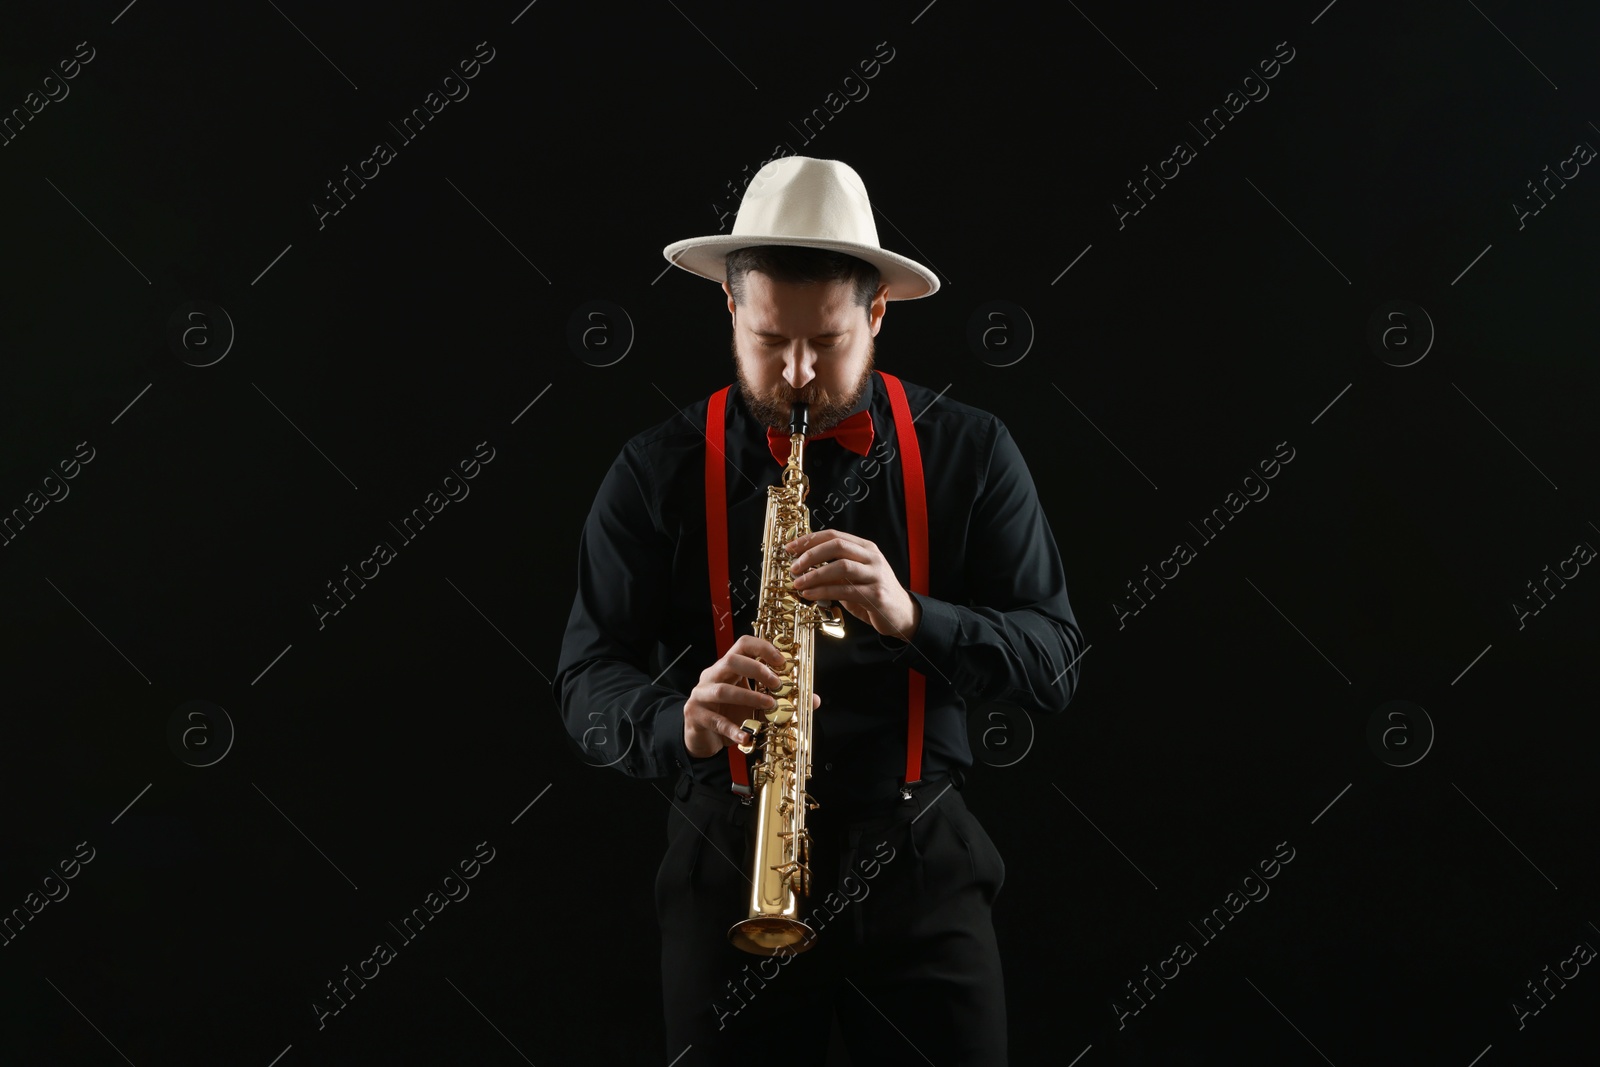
916 544
717 554
917 554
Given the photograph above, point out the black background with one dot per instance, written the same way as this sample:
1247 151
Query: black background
374 352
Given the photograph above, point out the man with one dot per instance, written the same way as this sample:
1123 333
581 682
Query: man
928 532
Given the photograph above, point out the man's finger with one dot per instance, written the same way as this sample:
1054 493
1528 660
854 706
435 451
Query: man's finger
829 552
742 696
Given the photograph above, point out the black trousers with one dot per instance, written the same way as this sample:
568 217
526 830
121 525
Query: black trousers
904 961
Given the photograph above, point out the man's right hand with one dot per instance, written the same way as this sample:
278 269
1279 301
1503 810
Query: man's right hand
714 714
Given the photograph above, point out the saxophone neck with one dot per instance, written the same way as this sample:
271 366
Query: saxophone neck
799 416
793 471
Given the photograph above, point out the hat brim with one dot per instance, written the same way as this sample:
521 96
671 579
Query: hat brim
907 279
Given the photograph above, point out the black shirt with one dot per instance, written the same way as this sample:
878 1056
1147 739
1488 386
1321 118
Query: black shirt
995 625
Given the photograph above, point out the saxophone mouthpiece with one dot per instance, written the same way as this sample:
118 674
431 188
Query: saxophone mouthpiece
797 417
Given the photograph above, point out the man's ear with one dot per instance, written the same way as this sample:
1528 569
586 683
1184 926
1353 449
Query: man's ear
733 309
880 304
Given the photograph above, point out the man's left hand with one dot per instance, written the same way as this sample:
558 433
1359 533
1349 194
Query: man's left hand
852 570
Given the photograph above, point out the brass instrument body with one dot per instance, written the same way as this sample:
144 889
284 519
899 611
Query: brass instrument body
780 847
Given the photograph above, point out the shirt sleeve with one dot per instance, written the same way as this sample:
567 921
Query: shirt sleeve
616 716
1017 639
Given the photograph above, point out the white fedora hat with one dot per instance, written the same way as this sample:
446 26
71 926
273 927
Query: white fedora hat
815 203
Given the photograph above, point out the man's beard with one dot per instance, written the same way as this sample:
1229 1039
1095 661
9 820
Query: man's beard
823 409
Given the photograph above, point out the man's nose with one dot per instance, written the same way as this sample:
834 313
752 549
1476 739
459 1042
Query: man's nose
799 370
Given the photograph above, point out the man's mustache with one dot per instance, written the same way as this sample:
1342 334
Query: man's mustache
808 397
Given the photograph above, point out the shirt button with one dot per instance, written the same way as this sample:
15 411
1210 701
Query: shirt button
827 766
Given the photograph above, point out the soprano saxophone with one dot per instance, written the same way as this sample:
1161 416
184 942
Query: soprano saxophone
780 875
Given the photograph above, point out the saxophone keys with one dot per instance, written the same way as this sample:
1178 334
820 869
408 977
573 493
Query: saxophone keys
833 623
754 726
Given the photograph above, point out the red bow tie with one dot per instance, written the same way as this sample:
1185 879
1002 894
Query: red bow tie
854 433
